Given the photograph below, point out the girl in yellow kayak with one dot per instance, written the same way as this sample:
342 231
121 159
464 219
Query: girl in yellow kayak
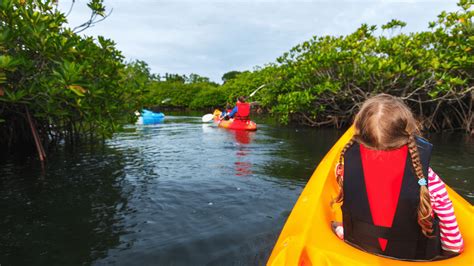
393 204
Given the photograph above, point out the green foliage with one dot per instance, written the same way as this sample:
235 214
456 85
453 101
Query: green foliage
393 24
323 80
195 78
196 95
97 6
230 75
71 84
175 78
75 85
209 96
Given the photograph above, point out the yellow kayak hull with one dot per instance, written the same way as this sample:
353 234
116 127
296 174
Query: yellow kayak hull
307 238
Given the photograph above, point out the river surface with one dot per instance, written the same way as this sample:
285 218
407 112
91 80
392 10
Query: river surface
178 193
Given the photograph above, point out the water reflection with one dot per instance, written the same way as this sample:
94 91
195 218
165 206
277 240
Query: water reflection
243 136
243 139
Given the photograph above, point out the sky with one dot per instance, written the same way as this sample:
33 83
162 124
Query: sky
213 37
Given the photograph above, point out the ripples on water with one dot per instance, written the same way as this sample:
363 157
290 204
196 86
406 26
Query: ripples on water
203 195
179 193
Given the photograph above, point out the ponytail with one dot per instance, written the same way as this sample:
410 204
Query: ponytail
339 174
424 208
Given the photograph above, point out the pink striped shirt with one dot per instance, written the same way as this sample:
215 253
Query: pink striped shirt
451 239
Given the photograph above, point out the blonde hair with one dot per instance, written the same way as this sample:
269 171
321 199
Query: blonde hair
384 122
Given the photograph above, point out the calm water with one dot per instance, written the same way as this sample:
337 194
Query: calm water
179 193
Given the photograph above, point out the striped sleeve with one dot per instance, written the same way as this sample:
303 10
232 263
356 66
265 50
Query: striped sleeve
451 239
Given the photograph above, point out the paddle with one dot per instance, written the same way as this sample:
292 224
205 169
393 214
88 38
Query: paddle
207 117
255 91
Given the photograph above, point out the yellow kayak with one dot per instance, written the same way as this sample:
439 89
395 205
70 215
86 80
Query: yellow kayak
307 238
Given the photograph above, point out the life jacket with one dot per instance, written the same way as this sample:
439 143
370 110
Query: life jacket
243 111
404 239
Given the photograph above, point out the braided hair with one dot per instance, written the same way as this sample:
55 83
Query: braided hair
424 208
339 174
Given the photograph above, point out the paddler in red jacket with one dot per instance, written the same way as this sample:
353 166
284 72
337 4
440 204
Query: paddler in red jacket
241 110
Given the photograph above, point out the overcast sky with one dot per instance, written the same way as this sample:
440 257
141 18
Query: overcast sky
212 37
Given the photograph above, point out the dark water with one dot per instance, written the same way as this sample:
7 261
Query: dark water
179 193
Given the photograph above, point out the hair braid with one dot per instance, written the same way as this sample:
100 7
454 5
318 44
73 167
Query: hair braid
340 177
424 208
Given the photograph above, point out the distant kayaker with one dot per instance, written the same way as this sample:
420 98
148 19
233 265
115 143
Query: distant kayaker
241 110
227 111
228 108
393 204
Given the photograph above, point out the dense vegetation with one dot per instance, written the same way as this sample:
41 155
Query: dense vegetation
56 84
194 92
323 81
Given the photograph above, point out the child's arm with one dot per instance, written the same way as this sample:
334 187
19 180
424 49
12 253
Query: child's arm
451 239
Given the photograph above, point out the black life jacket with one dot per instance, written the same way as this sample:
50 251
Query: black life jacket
405 238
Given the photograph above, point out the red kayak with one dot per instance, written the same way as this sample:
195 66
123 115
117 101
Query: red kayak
233 123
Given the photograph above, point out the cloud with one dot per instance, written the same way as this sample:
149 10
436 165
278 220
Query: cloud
216 36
